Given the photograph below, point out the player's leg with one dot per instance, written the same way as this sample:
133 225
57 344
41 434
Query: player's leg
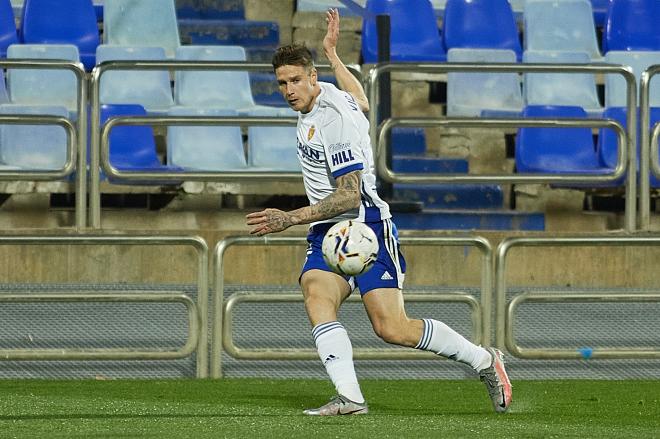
324 291
381 289
388 317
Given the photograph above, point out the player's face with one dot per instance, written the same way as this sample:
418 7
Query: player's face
298 86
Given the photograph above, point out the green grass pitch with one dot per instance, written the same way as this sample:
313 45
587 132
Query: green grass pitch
254 408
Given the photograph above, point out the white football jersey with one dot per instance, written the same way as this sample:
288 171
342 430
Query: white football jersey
333 140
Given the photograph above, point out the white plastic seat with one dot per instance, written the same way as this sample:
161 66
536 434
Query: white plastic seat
565 25
35 147
470 94
272 148
205 148
149 88
228 89
615 85
141 22
565 89
43 86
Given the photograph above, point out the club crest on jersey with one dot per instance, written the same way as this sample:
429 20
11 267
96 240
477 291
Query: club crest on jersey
311 132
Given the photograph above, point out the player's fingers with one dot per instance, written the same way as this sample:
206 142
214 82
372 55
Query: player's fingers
260 214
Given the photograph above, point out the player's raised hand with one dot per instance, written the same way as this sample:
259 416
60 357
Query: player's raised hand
332 35
268 221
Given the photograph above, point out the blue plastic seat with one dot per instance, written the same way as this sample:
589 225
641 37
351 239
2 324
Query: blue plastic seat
571 89
141 22
480 24
414 35
149 88
228 89
8 34
560 25
488 94
43 86
615 85
47 22
205 148
34 147
131 147
556 150
226 10
632 25
272 148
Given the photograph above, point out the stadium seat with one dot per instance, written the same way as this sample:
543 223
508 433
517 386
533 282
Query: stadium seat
44 86
132 148
151 89
34 147
8 35
556 150
414 35
205 148
272 148
615 85
560 25
202 9
219 89
487 94
572 89
141 22
607 140
47 22
632 25
323 5
480 24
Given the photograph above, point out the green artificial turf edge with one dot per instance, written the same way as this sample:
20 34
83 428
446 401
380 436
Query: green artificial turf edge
252 408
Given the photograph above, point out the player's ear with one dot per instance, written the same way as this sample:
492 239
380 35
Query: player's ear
313 75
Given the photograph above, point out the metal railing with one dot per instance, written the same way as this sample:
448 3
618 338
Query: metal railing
197 340
648 160
378 133
99 141
76 133
505 313
222 323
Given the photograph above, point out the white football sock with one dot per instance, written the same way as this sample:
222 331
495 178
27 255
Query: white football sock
336 353
441 339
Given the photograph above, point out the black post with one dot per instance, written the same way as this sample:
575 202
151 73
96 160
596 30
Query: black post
383 30
386 189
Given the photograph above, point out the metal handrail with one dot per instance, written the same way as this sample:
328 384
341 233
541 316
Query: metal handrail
217 324
625 71
581 353
97 73
80 141
196 242
504 338
391 176
358 353
68 354
71 146
648 160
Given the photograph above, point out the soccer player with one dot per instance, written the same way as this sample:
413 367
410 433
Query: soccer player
334 150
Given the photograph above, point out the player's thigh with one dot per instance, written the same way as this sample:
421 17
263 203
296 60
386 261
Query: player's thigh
324 292
386 311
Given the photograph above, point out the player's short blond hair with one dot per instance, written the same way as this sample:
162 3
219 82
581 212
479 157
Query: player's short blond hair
296 54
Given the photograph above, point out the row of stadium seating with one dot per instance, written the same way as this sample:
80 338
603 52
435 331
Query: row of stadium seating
548 25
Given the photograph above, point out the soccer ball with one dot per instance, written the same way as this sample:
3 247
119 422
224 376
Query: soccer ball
350 248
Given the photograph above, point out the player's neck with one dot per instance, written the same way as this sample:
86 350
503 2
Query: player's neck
315 95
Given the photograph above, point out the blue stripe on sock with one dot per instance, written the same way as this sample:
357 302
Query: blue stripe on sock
426 335
325 327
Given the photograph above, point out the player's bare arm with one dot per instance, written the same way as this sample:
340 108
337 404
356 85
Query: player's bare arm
346 80
343 199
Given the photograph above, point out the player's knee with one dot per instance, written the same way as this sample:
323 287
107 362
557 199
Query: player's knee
389 331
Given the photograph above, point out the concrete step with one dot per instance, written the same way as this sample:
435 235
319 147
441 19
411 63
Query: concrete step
235 32
452 196
443 219
423 164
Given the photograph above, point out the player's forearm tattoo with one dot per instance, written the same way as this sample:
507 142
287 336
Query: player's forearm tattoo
343 199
